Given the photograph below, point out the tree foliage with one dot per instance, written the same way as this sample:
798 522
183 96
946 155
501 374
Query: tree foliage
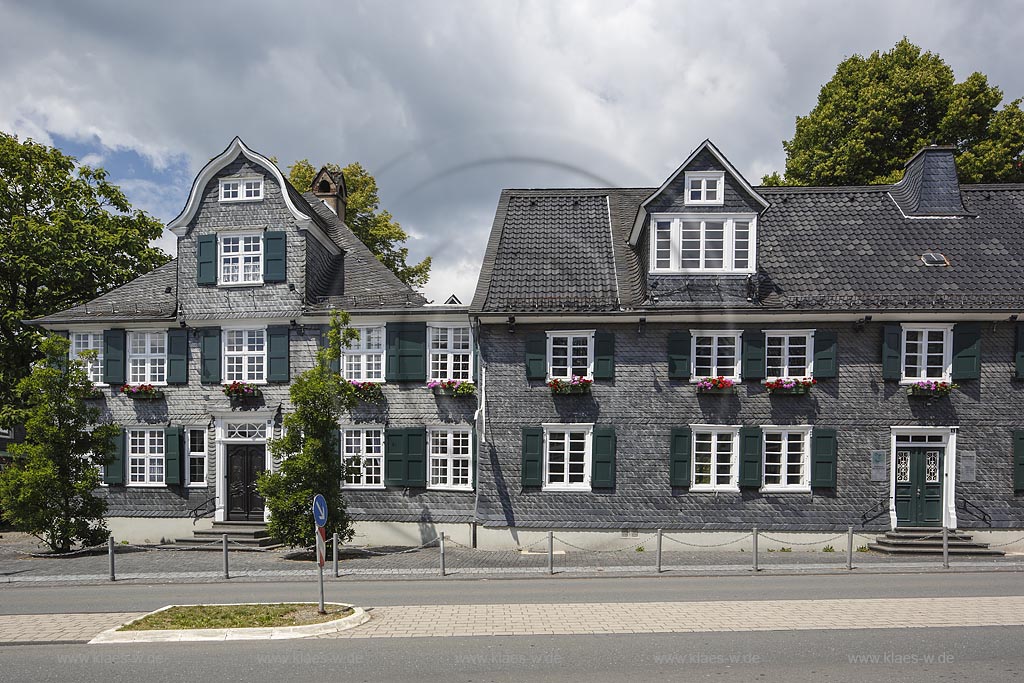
375 227
48 489
308 452
877 111
67 235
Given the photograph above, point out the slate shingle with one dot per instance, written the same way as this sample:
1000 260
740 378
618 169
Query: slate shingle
152 296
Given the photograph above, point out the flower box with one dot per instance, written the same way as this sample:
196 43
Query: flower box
452 387
716 385
930 388
141 392
576 385
368 392
242 392
93 394
789 386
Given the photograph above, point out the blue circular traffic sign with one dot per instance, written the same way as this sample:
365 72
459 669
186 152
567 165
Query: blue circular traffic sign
319 510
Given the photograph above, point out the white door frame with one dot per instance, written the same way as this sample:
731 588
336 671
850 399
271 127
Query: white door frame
948 435
221 441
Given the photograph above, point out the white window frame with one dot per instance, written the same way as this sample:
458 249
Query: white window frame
148 456
191 455
736 334
808 335
244 355
704 177
803 432
240 255
364 353
947 351
6 433
95 366
448 352
728 238
571 334
363 457
448 433
734 433
255 188
147 356
588 459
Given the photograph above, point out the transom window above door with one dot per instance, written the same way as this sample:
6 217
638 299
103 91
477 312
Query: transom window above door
707 243
571 354
715 354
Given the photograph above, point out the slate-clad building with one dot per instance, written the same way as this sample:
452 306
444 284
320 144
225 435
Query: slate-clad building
728 356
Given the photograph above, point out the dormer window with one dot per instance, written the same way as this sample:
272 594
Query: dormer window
702 243
705 187
241 189
241 259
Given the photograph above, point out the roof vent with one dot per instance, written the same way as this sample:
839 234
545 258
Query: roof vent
934 258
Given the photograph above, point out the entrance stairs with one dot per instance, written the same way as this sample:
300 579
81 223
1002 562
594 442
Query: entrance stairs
241 536
911 540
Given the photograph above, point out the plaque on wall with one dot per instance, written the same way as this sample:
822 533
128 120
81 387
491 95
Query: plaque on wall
879 465
967 462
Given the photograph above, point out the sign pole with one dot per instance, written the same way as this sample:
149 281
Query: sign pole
320 519
320 576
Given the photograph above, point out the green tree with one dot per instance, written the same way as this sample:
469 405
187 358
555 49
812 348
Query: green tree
48 490
375 227
877 111
67 235
308 452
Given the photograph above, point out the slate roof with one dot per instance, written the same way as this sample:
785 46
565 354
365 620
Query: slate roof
929 185
153 296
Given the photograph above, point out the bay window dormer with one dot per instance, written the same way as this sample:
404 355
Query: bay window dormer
703 243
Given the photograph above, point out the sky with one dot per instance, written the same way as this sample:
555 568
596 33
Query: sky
446 103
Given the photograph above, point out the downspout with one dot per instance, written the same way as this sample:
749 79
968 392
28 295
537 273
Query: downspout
479 422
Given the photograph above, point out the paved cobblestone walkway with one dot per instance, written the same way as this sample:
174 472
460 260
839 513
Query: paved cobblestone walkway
36 628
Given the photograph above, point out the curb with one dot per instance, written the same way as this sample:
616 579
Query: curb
358 617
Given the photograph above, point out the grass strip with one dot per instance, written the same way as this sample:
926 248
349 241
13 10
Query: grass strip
236 616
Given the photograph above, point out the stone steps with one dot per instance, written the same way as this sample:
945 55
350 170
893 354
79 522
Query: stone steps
928 541
250 535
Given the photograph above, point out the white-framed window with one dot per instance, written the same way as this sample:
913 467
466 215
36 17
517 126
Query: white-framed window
786 452
451 352
245 355
363 361
705 187
715 353
451 458
241 189
927 352
89 341
788 353
240 259
714 460
196 444
147 357
703 243
145 457
362 457
571 354
567 457
5 433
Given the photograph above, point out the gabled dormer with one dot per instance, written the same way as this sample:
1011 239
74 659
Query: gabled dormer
702 220
329 187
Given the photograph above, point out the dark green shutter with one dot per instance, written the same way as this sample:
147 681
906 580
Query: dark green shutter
823 457
536 355
825 363
209 355
533 457
604 355
405 457
753 355
603 458
966 351
1018 461
1019 355
892 337
206 260
679 457
177 356
113 356
394 457
277 354
172 455
335 362
750 456
679 355
406 352
113 471
275 257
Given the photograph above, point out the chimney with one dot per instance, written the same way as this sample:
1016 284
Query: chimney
330 189
929 186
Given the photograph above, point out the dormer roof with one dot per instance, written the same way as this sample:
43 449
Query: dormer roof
929 187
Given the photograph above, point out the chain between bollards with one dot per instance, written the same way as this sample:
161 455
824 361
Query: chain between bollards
945 547
224 543
659 551
754 540
849 548
110 554
442 552
551 552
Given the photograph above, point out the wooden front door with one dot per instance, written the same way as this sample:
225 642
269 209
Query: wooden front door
245 462
919 486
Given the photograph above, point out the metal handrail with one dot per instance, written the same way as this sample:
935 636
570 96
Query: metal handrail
203 509
881 506
976 511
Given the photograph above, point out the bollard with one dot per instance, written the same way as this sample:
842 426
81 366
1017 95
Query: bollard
849 547
659 550
945 547
110 554
551 552
224 543
335 555
755 549
442 553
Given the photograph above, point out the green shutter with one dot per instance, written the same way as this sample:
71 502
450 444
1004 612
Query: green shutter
177 356
892 338
209 355
206 260
679 355
823 457
533 457
114 356
172 455
825 363
966 351
334 364
406 352
753 355
1018 461
113 471
604 355
679 457
277 354
394 457
536 355
750 456
603 458
405 457
275 257
1019 356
